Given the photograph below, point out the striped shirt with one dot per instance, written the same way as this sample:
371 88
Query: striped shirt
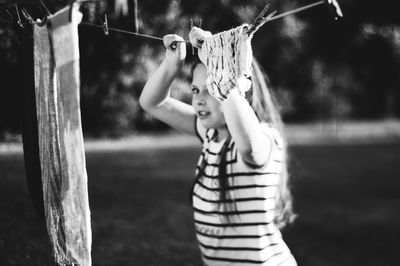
249 236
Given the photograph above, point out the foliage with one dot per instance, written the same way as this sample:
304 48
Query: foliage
318 68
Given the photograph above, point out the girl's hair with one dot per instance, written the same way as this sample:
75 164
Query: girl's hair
263 104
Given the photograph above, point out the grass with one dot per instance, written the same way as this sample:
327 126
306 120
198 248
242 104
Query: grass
346 196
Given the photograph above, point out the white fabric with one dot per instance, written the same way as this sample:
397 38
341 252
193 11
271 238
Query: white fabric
228 58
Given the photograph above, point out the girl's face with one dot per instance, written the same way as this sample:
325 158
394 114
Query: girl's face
207 108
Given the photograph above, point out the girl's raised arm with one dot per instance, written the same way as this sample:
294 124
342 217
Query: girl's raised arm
245 129
242 122
155 98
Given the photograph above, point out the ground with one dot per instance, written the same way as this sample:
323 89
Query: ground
346 195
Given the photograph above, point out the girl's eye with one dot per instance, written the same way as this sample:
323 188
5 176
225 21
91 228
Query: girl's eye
195 90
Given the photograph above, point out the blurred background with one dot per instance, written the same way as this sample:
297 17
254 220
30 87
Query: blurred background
337 85
318 68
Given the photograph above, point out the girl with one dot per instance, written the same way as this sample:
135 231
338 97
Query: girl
240 196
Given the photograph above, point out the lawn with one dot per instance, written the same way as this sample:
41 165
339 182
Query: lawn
346 197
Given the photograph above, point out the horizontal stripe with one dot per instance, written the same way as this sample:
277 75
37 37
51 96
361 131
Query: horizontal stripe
236 248
239 193
244 230
254 243
242 207
207 150
232 200
230 224
234 236
240 174
233 187
266 180
241 260
232 212
250 218
229 161
207 163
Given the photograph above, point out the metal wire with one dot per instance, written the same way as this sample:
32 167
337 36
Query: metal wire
296 10
126 32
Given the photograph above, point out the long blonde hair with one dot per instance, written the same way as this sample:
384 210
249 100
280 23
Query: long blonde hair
263 104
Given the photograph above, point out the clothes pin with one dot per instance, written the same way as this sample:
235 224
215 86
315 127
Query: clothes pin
105 25
135 13
9 13
334 9
19 21
261 15
27 16
260 20
191 26
45 7
332 5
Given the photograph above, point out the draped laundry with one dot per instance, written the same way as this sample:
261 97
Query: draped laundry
61 148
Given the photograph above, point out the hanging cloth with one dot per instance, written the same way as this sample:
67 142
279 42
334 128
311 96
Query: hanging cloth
228 57
62 157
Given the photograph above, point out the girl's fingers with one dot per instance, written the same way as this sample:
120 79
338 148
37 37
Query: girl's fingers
197 36
171 41
173 45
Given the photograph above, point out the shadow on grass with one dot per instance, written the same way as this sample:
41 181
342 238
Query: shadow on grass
346 198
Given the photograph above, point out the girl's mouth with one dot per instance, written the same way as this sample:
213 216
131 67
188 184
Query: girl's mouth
203 114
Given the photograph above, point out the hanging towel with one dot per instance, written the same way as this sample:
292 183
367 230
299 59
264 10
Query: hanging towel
62 157
227 56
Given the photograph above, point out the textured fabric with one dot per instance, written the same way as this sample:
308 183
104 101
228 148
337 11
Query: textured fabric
249 236
227 57
62 157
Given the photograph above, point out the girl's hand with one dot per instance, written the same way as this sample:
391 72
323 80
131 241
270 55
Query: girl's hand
196 37
176 50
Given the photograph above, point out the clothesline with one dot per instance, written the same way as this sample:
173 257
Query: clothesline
109 28
267 19
124 31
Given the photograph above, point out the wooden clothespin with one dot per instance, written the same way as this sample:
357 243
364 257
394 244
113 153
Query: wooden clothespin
9 13
19 21
191 26
334 9
260 20
45 8
332 5
105 25
27 16
135 14
31 20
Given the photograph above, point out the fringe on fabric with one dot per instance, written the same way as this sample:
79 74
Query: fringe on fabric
227 57
62 157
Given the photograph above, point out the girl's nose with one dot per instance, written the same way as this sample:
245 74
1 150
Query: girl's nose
200 102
